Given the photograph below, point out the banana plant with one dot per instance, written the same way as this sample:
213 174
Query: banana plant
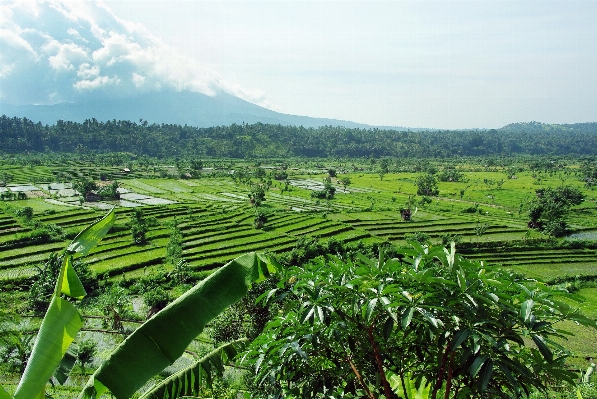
62 320
153 346
163 338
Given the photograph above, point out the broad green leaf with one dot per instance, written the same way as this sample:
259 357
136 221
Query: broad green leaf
70 284
525 309
477 364
585 321
366 260
543 348
388 328
163 338
66 365
370 308
59 327
578 394
461 279
4 394
459 338
407 316
190 380
91 235
508 374
485 375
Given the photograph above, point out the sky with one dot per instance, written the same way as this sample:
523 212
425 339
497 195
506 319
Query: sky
434 64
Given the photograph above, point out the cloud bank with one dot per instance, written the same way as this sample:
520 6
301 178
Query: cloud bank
63 51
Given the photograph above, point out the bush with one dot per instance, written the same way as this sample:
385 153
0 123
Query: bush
421 238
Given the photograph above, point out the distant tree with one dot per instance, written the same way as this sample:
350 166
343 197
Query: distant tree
427 185
345 181
139 227
260 218
85 186
196 164
174 247
550 207
257 194
109 192
328 191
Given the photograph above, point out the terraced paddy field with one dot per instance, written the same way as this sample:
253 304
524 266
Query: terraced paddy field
216 220
217 223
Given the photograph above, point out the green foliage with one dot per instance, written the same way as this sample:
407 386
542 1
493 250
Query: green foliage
549 209
448 238
15 345
174 247
189 381
20 135
260 218
368 326
62 320
451 175
417 236
257 194
109 192
115 303
156 299
327 192
480 229
85 186
25 213
86 352
345 181
427 185
43 285
164 337
139 227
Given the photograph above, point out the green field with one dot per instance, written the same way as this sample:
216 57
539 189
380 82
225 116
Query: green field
216 220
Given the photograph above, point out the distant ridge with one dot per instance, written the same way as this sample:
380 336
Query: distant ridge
169 107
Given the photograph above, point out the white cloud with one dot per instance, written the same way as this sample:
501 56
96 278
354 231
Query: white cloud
67 44
87 71
138 80
75 33
14 40
100 81
65 54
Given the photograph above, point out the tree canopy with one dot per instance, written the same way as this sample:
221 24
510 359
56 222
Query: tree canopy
20 135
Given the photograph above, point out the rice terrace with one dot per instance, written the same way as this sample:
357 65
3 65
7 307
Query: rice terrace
298 199
179 219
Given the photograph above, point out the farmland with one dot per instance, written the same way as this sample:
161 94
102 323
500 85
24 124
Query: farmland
485 212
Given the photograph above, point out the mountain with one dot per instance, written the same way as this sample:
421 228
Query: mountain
170 107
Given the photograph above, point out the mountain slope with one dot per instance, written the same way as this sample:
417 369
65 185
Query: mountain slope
184 108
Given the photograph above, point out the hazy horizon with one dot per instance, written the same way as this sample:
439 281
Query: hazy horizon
447 64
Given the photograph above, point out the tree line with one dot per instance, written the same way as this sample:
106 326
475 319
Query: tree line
21 135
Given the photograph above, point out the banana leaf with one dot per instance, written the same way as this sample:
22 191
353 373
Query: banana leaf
62 321
163 338
189 381
4 394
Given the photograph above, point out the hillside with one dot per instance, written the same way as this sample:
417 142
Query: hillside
170 107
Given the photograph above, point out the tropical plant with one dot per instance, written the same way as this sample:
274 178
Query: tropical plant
153 346
366 328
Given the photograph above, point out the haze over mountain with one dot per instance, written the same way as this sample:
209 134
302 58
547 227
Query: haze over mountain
78 60
445 65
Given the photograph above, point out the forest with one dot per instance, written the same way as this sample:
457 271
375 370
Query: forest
20 135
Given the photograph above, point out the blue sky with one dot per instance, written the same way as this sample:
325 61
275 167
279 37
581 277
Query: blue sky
437 64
